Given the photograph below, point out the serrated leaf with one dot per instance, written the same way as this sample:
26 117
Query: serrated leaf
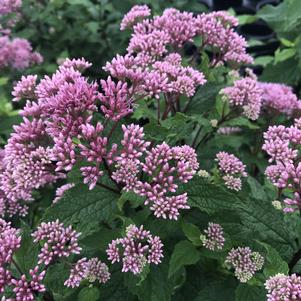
89 294
185 253
55 277
274 263
84 208
156 287
245 292
209 197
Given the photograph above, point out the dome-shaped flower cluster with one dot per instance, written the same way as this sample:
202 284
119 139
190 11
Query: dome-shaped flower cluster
136 249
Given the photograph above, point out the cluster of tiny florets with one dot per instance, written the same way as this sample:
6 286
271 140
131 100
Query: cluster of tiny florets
213 239
283 288
163 164
15 53
57 241
279 98
91 270
282 145
136 249
232 170
245 94
244 262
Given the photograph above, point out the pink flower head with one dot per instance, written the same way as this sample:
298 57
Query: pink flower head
92 270
25 88
137 249
216 30
5 278
282 287
279 97
213 239
136 13
232 170
245 94
58 241
115 101
25 289
9 6
77 64
9 242
245 262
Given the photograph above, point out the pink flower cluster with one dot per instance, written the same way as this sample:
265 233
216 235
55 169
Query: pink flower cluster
152 37
232 170
284 288
137 248
280 98
163 165
91 270
137 13
245 94
216 30
17 53
26 166
245 262
9 6
57 240
26 289
282 145
213 239
10 241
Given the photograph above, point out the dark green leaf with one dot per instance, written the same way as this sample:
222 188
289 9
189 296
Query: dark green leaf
245 292
84 208
185 253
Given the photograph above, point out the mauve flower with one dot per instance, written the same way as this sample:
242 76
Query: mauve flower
245 262
137 249
283 288
59 241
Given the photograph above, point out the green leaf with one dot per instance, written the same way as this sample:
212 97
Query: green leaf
27 255
274 263
89 294
263 60
204 98
192 232
55 277
209 197
218 290
284 54
257 190
283 72
184 254
241 122
84 208
156 287
245 292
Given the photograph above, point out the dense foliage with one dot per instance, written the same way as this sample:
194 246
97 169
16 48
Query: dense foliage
171 173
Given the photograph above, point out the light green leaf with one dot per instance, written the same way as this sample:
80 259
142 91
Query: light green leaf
184 254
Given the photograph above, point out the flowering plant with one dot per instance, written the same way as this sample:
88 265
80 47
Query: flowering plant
152 183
